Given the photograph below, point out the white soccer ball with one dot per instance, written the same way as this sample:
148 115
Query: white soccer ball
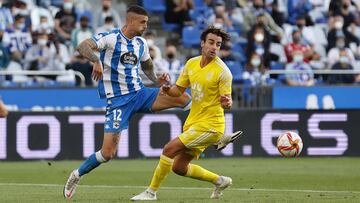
289 144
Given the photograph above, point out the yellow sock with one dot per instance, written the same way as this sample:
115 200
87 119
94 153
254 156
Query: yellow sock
197 172
161 171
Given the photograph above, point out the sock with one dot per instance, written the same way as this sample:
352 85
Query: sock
90 163
161 171
199 173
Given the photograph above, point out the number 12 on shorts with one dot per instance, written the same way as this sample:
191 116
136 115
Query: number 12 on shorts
117 114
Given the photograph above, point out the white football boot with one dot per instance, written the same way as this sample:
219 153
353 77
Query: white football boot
146 195
70 186
219 188
227 139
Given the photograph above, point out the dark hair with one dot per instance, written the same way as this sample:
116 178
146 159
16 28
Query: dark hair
18 17
137 9
216 31
108 19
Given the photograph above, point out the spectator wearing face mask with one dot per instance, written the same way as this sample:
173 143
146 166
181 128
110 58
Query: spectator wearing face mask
171 62
333 55
17 40
259 42
82 33
336 28
107 11
299 79
65 21
254 71
108 26
343 63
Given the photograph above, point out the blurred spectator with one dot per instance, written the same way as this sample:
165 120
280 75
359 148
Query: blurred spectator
296 45
334 53
81 64
254 70
177 11
106 11
349 14
108 26
272 7
83 8
21 8
46 56
82 33
344 63
150 38
299 79
65 21
41 18
44 26
17 40
259 42
337 28
171 62
220 12
6 17
256 14
299 8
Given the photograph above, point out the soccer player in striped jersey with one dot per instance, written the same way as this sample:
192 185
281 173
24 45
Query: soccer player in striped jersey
122 53
210 81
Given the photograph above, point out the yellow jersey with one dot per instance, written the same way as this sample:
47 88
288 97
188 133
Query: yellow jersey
207 84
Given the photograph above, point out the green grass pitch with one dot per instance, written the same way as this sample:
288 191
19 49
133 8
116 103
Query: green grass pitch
254 180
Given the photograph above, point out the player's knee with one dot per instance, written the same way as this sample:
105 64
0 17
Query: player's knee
167 151
179 170
108 154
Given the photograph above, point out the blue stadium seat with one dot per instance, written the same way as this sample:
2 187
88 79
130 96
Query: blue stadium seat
154 6
236 70
198 3
170 26
191 36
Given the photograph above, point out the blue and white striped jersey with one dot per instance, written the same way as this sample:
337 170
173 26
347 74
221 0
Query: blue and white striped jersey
121 59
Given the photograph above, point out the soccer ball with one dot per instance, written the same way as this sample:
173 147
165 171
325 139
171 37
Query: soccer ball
289 144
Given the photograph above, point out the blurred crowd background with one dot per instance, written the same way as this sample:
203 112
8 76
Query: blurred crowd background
285 35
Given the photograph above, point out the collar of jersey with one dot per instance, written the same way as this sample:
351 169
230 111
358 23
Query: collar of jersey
122 34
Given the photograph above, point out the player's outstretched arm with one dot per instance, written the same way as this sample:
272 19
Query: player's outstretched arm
173 91
148 68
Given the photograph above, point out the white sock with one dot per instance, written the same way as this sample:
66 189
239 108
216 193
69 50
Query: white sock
99 157
151 190
76 173
219 180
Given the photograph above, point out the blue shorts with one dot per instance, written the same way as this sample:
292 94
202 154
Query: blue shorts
120 109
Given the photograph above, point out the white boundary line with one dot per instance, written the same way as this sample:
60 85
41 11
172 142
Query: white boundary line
180 188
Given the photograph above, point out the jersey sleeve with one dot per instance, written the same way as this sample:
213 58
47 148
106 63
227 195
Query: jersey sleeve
183 80
103 40
225 82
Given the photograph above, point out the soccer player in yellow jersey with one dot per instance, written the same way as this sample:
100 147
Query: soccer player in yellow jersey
210 81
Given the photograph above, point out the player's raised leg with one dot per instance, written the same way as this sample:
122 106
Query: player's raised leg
163 101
